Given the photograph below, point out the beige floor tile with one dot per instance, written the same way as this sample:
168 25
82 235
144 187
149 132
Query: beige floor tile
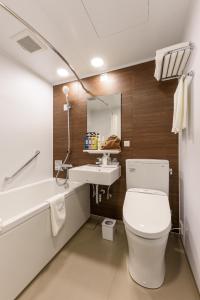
90 268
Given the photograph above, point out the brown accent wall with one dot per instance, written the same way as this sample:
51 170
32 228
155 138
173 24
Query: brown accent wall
147 108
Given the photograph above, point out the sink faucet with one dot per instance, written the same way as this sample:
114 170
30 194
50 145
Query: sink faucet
106 160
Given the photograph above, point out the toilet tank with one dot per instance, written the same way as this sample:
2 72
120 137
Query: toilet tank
148 174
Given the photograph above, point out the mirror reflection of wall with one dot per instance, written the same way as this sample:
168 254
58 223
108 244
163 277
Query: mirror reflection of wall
104 117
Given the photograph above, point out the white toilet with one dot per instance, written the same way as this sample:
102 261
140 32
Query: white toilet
147 219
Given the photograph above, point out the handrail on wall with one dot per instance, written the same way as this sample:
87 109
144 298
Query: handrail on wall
20 169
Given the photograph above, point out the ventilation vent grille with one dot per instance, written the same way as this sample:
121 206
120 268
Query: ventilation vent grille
29 42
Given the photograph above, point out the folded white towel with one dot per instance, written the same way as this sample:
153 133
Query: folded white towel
181 104
58 213
159 59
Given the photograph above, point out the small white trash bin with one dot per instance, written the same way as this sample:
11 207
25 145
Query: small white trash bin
108 229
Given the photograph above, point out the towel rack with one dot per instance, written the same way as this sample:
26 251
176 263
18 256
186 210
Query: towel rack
174 62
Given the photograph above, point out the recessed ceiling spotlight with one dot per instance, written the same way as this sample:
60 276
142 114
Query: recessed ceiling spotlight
62 72
97 62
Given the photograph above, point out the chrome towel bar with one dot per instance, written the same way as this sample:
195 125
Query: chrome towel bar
20 169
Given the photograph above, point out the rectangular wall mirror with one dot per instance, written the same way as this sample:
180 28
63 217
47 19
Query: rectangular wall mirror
104 115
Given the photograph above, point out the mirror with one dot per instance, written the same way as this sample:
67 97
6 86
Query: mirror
104 115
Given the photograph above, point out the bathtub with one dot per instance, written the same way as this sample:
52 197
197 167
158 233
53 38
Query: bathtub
26 241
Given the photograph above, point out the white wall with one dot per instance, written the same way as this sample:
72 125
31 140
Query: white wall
190 153
26 112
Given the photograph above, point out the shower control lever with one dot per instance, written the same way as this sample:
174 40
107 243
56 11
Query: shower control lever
66 166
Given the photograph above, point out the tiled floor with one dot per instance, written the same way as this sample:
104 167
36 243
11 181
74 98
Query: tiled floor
90 268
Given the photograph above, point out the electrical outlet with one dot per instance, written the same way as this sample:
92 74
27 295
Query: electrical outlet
127 143
58 164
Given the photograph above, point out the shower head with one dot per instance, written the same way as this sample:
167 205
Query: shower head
65 90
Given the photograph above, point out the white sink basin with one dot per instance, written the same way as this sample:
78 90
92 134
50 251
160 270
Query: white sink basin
95 174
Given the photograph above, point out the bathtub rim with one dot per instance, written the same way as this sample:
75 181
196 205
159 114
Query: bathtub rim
15 221
53 179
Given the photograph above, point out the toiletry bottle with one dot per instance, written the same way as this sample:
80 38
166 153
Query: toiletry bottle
91 137
92 141
89 141
99 142
86 142
95 142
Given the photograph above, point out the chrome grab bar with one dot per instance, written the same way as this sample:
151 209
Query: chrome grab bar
20 169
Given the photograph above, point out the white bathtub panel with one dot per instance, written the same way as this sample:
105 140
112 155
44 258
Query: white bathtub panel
28 247
24 251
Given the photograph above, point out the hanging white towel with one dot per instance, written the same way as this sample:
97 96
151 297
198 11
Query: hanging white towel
181 104
58 213
178 106
187 83
1 224
160 55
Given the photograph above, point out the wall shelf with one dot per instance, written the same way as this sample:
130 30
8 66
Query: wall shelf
112 151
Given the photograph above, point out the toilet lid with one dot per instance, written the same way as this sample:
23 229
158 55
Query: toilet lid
147 213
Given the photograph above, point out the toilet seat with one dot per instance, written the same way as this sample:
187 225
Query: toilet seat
146 213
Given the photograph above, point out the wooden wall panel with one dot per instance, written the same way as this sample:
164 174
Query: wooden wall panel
147 110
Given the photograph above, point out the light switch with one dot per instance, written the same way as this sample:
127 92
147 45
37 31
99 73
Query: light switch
127 143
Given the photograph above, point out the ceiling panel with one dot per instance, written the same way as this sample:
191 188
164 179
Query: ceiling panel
112 17
130 30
